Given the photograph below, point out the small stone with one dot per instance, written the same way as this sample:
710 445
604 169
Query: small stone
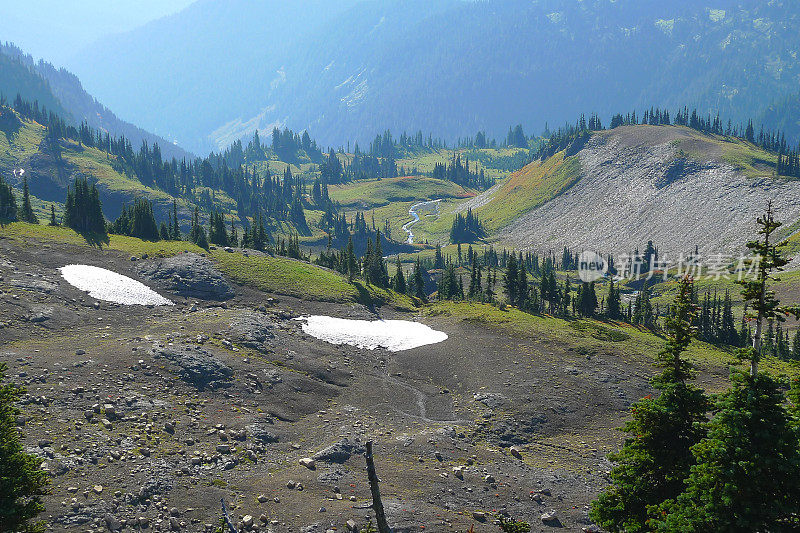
247 521
97 489
80 352
480 516
489 478
352 526
291 484
262 498
515 452
308 462
549 517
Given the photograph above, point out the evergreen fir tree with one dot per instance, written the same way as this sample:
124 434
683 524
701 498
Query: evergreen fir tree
22 481
8 202
745 476
419 282
399 280
53 221
175 229
83 211
510 280
657 457
758 296
523 293
613 302
198 234
350 259
26 213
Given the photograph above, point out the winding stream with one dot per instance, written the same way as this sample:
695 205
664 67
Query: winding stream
415 216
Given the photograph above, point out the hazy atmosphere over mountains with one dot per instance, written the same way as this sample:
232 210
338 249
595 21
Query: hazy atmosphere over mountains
346 69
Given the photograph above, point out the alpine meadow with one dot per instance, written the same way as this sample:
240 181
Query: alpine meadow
400 265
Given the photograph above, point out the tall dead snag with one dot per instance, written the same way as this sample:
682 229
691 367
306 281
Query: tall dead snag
377 505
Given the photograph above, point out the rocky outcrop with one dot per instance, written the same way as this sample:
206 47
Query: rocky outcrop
198 368
339 452
189 275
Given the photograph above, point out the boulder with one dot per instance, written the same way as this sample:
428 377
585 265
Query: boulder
339 452
199 368
188 275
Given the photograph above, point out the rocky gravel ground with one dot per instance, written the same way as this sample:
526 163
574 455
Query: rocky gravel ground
147 416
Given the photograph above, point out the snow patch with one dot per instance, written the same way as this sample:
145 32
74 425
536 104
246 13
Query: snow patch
111 287
394 335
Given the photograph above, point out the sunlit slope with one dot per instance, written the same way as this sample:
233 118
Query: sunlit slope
673 185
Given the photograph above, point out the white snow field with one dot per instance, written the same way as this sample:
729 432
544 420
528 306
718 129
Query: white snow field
394 335
111 287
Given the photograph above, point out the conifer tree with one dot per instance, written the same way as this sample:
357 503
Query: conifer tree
8 202
83 211
350 260
523 291
419 282
399 280
175 229
656 457
767 259
587 299
22 481
233 236
745 476
53 221
613 303
26 213
198 234
510 280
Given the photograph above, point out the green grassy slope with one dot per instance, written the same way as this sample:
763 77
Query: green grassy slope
278 275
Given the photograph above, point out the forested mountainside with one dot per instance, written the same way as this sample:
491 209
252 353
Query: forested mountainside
446 66
62 92
784 115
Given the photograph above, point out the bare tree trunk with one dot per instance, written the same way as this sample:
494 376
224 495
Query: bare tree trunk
377 505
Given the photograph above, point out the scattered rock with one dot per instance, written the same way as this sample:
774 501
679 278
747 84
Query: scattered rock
308 462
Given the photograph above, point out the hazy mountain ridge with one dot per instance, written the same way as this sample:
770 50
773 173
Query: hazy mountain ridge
62 92
448 67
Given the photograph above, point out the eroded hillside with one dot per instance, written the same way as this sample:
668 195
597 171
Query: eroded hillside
668 184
